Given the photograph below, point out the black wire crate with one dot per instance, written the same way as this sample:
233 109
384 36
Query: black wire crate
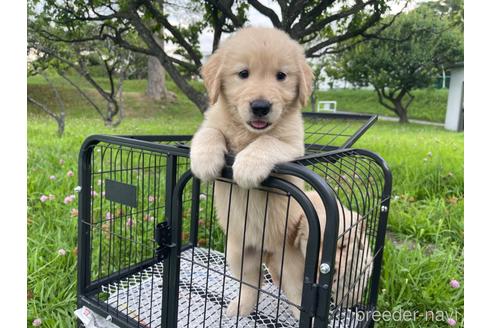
156 246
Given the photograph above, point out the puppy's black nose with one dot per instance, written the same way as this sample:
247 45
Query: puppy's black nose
260 107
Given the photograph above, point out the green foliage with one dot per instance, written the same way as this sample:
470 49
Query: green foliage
408 54
405 56
451 9
425 239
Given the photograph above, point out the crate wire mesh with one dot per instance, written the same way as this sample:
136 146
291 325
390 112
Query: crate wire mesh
330 131
128 184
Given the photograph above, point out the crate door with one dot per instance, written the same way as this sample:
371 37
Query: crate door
126 192
202 284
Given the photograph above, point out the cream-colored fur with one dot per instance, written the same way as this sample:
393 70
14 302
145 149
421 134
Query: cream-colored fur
264 52
353 255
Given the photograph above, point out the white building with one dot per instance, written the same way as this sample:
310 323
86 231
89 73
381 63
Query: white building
455 111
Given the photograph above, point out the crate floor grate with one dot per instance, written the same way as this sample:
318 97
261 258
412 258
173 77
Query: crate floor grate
200 303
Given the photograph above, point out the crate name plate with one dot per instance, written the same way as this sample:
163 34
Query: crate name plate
122 193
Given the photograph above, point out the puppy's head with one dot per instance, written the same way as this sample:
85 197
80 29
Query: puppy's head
259 74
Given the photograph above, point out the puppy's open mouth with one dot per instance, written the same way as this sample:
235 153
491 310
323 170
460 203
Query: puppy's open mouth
259 124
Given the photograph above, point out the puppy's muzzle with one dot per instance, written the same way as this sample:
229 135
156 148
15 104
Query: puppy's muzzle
260 107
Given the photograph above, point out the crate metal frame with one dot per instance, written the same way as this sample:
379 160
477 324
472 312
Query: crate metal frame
316 293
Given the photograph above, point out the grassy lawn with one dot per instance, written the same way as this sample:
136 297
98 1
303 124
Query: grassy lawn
424 247
429 104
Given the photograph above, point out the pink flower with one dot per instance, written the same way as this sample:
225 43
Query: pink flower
43 198
36 322
109 216
62 252
70 173
61 162
148 218
151 199
451 322
93 193
129 222
52 177
69 199
454 283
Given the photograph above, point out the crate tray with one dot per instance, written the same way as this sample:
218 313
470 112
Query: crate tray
199 302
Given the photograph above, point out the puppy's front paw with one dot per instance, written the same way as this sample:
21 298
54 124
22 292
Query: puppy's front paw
232 308
249 170
206 166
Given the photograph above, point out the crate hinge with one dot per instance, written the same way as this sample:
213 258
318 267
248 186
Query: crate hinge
163 240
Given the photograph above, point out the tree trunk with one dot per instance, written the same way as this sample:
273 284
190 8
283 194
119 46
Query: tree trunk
61 124
59 119
156 86
156 89
197 97
313 101
401 111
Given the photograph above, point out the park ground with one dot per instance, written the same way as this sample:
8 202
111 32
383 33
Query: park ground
424 244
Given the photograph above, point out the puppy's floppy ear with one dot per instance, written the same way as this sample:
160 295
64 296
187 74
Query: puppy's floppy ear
211 75
305 81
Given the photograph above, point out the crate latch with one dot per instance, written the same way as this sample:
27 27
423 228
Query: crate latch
311 302
323 301
163 239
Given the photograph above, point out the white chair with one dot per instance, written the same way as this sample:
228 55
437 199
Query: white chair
327 106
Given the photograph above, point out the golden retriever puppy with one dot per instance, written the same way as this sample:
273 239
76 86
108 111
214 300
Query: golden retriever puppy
353 260
257 82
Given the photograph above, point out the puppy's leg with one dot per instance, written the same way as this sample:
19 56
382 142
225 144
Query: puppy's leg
272 268
208 148
255 162
251 274
290 275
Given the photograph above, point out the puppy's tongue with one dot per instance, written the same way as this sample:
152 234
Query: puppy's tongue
259 124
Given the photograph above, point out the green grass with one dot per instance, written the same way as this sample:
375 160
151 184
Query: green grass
429 104
424 246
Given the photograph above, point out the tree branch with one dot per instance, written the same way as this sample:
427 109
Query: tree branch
311 52
81 92
267 12
307 18
292 12
189 67
194 55
315 27
56 93
198 98
377 33
381 100
409 101
225 9
43 107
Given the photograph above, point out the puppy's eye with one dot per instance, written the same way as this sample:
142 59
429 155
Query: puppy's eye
243 74
281 76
